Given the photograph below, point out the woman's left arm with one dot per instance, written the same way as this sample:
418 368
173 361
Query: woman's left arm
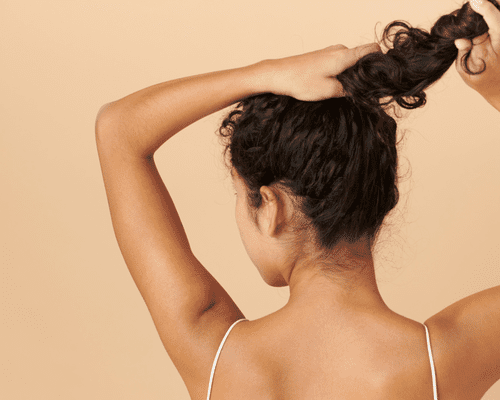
191 311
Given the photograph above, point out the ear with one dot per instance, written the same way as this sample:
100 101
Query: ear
272 214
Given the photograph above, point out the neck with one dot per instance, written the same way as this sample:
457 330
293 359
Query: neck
346 283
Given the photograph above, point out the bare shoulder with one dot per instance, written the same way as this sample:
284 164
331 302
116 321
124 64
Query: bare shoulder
464 339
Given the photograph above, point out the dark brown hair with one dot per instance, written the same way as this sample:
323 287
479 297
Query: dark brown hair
338 157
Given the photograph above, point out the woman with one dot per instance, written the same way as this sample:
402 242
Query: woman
313 160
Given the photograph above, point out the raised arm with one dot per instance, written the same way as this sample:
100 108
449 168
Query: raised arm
149 117
469 330
144 120
191 311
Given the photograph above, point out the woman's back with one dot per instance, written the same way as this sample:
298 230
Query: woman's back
293 354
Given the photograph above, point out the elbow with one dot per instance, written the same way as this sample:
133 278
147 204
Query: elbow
110 132
102 109
103 121
100 114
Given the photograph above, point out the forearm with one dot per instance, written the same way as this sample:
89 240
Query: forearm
142 121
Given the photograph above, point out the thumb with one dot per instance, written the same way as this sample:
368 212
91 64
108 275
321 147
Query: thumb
463 46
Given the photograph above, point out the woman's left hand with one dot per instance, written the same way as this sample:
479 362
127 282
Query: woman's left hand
312 76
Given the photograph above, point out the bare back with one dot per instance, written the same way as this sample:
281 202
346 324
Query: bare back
287 355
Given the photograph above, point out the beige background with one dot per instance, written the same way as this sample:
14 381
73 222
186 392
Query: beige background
72 323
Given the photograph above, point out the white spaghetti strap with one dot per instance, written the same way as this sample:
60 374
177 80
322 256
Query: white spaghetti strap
434 384
217 356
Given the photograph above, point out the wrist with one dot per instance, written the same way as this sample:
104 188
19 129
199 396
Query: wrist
259 77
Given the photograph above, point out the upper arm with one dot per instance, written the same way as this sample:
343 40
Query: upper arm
471 331
190 309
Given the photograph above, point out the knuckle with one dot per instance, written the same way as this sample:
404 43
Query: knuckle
338 47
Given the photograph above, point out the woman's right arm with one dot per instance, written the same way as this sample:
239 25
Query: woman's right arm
468 331
485 48
467 335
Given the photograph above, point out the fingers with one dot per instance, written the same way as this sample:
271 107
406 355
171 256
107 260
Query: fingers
337 47
466 44
352 56
463 46
337 89
475 62
492 17
367 49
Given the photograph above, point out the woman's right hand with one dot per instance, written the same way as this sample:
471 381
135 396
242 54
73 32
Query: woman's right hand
484 48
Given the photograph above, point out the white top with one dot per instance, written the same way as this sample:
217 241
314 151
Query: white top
434 385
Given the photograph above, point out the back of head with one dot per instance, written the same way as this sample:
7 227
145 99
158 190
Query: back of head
338 157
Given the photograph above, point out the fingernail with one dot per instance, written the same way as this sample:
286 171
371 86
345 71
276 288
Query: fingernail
476 4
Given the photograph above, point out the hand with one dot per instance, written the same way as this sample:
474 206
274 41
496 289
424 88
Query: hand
311 76
484 48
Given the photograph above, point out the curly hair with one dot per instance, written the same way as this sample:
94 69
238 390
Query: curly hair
338 157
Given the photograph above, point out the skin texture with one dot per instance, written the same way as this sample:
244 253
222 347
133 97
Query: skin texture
336 334
278 253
